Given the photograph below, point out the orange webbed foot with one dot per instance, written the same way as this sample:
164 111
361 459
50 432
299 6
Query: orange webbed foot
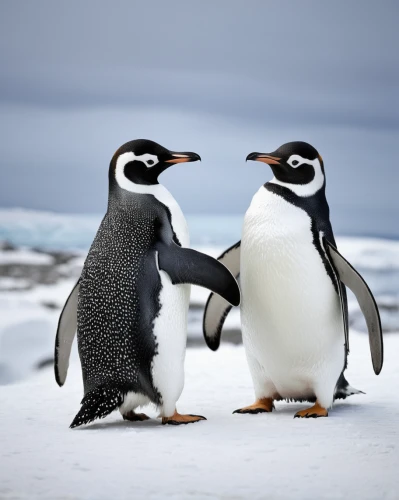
315 411
264 405
177 419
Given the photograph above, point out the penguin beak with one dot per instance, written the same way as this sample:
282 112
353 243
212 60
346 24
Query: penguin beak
183 157
264 157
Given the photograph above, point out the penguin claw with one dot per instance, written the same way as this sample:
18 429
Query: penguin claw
173 422
253 411
309 415
179 422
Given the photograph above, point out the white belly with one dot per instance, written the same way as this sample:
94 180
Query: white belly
291 317
170 326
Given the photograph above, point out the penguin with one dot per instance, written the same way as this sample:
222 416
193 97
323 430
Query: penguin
130 304
294 311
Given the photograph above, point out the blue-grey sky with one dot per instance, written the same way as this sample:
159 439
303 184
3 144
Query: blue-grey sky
221 78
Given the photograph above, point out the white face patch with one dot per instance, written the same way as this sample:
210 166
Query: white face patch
148 160
125 158
312 187
296 161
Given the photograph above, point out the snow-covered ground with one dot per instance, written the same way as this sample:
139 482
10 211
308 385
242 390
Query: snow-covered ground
354 453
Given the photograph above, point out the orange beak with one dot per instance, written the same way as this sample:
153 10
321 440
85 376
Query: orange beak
183 157
265 158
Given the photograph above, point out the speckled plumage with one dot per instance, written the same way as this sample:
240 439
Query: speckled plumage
115 337
109 300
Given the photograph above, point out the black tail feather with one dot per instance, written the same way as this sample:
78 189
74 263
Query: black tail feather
343 389
98 403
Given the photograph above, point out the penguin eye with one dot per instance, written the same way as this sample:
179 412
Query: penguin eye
147 159
294 163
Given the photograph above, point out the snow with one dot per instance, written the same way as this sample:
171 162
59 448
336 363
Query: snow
7 283
354 453
37 338
370 253
24 256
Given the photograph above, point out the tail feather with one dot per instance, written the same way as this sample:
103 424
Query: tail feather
98 403
343 389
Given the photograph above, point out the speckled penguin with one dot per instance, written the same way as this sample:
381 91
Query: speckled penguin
130 304
294 311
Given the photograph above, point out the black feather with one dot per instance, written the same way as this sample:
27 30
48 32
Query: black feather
98 403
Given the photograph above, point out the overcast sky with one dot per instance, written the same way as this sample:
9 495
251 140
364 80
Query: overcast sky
221 78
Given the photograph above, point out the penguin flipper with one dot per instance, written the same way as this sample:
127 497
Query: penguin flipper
352 279
184 265
216 308
65 334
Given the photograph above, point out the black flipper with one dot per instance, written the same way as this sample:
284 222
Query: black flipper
185 265
65 334
216 308
352 279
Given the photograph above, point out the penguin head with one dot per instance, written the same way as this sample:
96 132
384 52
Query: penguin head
141 161
296 165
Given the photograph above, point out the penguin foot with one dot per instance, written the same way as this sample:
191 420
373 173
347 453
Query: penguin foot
135 417
315 411
264 405
177 419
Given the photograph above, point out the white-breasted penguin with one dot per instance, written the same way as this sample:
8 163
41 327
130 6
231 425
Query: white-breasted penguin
294 312
131 301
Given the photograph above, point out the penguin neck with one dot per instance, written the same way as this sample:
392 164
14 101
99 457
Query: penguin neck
303 190
285 191
318 185
129 193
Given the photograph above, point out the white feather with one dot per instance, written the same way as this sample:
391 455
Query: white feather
133 400
170 330
291 316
